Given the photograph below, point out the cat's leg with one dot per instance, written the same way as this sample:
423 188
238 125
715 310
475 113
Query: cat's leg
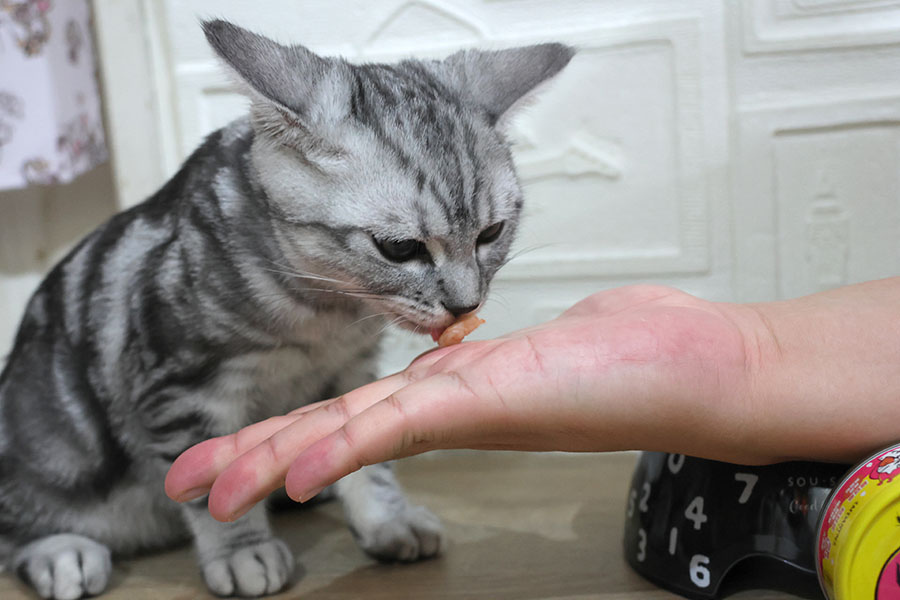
63 566
241 558
383 521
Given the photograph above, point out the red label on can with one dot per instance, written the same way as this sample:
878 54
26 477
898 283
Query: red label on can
889 580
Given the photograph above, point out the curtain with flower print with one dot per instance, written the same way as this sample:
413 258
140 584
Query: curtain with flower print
50 119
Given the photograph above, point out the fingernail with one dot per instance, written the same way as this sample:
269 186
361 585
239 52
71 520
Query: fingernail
307 496
238 513
192 494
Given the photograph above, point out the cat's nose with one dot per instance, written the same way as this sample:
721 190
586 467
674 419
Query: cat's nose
458 311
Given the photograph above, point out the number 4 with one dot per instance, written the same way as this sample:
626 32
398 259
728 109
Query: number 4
694 512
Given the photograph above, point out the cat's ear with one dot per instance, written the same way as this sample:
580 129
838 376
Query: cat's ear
498 80
290 86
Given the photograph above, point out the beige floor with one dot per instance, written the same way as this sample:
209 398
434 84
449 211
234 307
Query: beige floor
520 526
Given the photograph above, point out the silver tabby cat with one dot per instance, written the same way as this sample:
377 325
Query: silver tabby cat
243 289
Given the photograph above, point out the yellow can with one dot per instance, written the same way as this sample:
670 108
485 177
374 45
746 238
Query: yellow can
858 555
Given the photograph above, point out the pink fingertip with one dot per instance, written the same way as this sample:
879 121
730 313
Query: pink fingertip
307 496
238 513
191 494
186 475
234 492
310 472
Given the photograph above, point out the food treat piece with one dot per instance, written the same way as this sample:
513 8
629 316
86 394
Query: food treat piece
458 330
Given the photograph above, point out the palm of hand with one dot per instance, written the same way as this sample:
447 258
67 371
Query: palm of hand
592 379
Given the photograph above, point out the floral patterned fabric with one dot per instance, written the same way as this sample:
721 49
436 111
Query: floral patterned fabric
50 121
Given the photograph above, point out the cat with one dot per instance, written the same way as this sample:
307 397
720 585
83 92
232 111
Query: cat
254 281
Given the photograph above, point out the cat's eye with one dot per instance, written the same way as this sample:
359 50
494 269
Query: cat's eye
401 250
491 233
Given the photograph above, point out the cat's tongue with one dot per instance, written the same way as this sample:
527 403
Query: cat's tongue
436 332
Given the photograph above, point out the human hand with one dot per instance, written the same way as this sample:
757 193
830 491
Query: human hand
636 367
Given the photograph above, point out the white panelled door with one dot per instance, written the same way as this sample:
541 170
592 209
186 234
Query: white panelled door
738 150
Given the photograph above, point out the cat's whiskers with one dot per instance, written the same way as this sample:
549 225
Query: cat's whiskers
498 299
526 250
348 290
381 314
393 321
296 275
292 271
354 293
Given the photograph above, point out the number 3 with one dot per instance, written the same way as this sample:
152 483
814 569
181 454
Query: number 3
642 545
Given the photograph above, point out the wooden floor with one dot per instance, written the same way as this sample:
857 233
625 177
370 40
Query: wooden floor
521 526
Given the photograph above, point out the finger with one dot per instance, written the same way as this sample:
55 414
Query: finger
366 394
192 473
442 411
259 471
432 355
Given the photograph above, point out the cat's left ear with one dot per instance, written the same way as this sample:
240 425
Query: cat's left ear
499 80
295 92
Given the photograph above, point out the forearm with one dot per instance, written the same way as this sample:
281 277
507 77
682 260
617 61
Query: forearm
823 372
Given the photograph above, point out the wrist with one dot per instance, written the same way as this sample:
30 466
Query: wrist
736 351
822 373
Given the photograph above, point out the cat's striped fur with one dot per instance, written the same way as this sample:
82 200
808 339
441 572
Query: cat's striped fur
244 288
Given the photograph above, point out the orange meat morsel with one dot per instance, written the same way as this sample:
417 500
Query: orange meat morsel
458 330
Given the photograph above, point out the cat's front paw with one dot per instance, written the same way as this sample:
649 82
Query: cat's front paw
413 534
64 566
250 571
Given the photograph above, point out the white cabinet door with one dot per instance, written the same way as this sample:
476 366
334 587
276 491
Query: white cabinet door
738 150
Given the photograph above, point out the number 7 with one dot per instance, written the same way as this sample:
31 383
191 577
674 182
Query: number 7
749 480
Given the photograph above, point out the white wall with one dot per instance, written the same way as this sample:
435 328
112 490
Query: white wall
738 150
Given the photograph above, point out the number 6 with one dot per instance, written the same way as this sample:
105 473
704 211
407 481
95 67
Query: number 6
699 572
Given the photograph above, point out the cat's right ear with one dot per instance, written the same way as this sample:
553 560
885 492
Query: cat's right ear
497 81
296 94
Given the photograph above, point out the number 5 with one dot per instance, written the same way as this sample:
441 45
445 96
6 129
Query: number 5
632 498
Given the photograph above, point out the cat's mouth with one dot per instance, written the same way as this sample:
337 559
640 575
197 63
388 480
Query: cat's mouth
433 328
421 324
434 332
419 321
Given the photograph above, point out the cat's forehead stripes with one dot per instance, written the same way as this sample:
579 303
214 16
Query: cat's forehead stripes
434 139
